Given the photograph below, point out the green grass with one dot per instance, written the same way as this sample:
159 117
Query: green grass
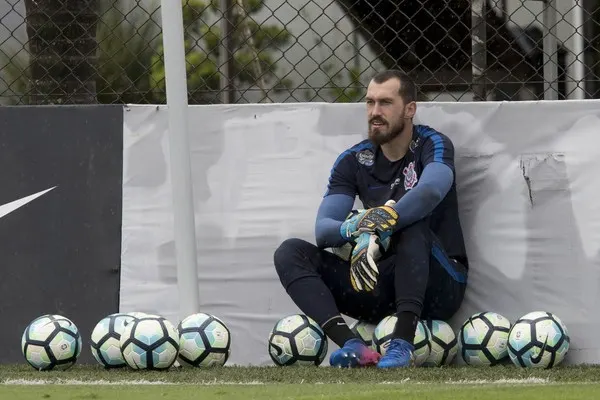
305 392
300 375
500 382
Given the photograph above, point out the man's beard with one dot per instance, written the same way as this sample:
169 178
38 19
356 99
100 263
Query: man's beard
379 137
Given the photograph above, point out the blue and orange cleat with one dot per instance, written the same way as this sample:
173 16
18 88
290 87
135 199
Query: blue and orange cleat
354 353
399 354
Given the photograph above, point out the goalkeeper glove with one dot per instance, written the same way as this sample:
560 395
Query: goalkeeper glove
347 230
366 254
363 263
381 220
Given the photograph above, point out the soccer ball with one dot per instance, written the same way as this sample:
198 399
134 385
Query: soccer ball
538 339
444 344
344 251
51 342
297 340
137 315
105 338
204 341
383 335
483 338
149 343
364 330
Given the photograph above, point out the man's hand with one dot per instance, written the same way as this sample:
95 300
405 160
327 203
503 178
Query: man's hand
381 220
363 263
367 252
348 228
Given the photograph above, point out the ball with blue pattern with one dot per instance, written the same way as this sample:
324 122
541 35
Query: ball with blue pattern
105 340
444 344
538 339
365 331
297 340
149 343
204 341
51 342
482 339
384 333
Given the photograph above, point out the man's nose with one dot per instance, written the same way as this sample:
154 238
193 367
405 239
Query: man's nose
376 110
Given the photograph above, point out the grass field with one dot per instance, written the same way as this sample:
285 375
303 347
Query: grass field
500 382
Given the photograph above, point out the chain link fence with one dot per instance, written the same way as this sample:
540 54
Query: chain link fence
247 51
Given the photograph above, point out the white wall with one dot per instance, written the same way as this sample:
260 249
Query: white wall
527 188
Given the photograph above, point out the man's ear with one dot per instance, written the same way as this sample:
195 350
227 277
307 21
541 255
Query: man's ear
411 110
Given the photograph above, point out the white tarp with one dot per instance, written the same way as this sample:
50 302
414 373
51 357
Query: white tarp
527 182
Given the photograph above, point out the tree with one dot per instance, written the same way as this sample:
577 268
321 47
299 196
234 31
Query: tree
351 92
129 65
128 40
62 46
254 46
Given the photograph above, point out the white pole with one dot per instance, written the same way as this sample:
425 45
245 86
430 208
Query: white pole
550 51
181 174
577 68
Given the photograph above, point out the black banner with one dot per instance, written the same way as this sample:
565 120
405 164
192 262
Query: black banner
60 252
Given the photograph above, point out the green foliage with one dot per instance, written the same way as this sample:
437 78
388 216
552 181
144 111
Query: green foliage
14 76
349 90
130 54
202 47
126 47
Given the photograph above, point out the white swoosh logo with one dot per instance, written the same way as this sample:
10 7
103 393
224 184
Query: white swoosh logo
13 205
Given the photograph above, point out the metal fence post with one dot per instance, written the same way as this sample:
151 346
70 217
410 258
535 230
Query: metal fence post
226 53
478 49
550 58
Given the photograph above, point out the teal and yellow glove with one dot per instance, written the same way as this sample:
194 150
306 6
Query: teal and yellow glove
369 247
363 264
381 220
345 251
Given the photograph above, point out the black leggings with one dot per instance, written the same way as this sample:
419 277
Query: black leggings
415 275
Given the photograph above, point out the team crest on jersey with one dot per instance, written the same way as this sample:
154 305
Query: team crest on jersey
413 144
366 157
410 176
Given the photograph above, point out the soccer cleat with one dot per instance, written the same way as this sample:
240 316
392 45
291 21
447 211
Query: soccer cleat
354 353
399 354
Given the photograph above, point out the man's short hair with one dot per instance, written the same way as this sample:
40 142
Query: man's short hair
408 89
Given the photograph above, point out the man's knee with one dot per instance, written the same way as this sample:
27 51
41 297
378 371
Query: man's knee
415 234
288 251
293 260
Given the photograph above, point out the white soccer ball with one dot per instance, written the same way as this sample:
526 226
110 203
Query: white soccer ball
538 340
444 344
297 340
51 342
365 331
344 251
384 332
105 340
483 338
149 343
204 341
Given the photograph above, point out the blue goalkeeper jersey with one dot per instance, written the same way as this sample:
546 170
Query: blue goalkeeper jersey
364 171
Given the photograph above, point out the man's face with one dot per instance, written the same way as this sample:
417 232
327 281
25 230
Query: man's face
385 111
